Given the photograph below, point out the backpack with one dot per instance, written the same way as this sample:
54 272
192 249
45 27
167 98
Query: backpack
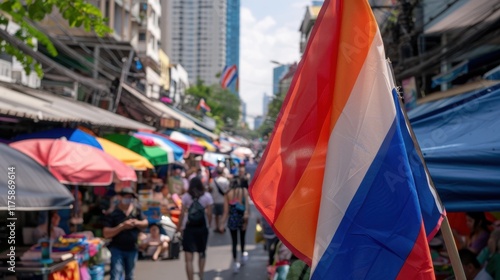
196 214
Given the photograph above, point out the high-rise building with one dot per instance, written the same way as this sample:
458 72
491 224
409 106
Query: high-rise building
196 37
243 111
266 101
278 73
233 39
257 122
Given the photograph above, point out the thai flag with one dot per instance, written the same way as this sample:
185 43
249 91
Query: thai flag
203 106
342 180
229 74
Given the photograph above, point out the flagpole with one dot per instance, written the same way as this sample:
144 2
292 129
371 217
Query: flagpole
448 238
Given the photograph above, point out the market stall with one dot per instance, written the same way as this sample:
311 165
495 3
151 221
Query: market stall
35 189
77 165
460 141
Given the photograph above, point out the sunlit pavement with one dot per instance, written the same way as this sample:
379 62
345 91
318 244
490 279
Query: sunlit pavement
219 263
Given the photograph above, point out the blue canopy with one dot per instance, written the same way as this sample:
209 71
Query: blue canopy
73 135
460 140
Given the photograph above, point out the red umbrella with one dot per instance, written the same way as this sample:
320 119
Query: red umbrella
74 163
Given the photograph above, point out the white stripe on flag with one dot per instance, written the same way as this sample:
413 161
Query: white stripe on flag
354 142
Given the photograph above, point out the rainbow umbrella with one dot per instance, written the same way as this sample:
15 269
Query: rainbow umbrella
155 155
125 155
162 141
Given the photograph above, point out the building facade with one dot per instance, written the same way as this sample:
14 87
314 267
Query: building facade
149 47
278 73
233 39
257 122
196 37
265 103
12 71
243 111
179 82
307 24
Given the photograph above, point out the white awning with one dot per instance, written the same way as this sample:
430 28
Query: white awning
160 108
19 101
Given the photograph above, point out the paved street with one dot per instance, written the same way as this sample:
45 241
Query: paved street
218 265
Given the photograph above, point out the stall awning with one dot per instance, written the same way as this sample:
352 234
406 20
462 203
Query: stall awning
19 101
159 108
456 91
197 124
460 141
461 14
200 129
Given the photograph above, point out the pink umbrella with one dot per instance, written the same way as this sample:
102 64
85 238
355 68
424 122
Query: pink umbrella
74 163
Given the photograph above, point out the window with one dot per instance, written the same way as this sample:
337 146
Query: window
142 36
144 7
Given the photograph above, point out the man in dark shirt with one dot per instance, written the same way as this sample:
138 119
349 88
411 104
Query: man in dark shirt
123 226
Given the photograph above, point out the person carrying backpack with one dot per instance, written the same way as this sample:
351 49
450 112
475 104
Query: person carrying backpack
236 213
195 218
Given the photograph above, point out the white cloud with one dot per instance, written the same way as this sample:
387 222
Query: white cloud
263 40
301 4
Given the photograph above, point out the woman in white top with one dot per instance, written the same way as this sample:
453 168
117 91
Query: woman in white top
155 244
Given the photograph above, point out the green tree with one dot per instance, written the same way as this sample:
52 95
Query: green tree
224 106
24 13
272 114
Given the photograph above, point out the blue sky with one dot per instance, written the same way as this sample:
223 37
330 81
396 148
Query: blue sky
269 31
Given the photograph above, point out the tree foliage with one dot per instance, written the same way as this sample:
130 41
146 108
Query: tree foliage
78 13
273 112
224 105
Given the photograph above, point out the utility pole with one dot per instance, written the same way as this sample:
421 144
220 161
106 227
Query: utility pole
125 71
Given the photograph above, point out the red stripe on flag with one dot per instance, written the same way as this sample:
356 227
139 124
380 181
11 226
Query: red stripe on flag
302 126
418 265
227 76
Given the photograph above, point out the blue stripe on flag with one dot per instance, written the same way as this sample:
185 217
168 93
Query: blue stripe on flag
382 223
223 74
232 79
430 211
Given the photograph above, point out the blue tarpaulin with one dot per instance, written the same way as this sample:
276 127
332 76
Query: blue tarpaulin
460 140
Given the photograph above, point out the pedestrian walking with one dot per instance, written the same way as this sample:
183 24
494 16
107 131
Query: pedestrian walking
270 238
218 188
123 226
195 217
236 213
